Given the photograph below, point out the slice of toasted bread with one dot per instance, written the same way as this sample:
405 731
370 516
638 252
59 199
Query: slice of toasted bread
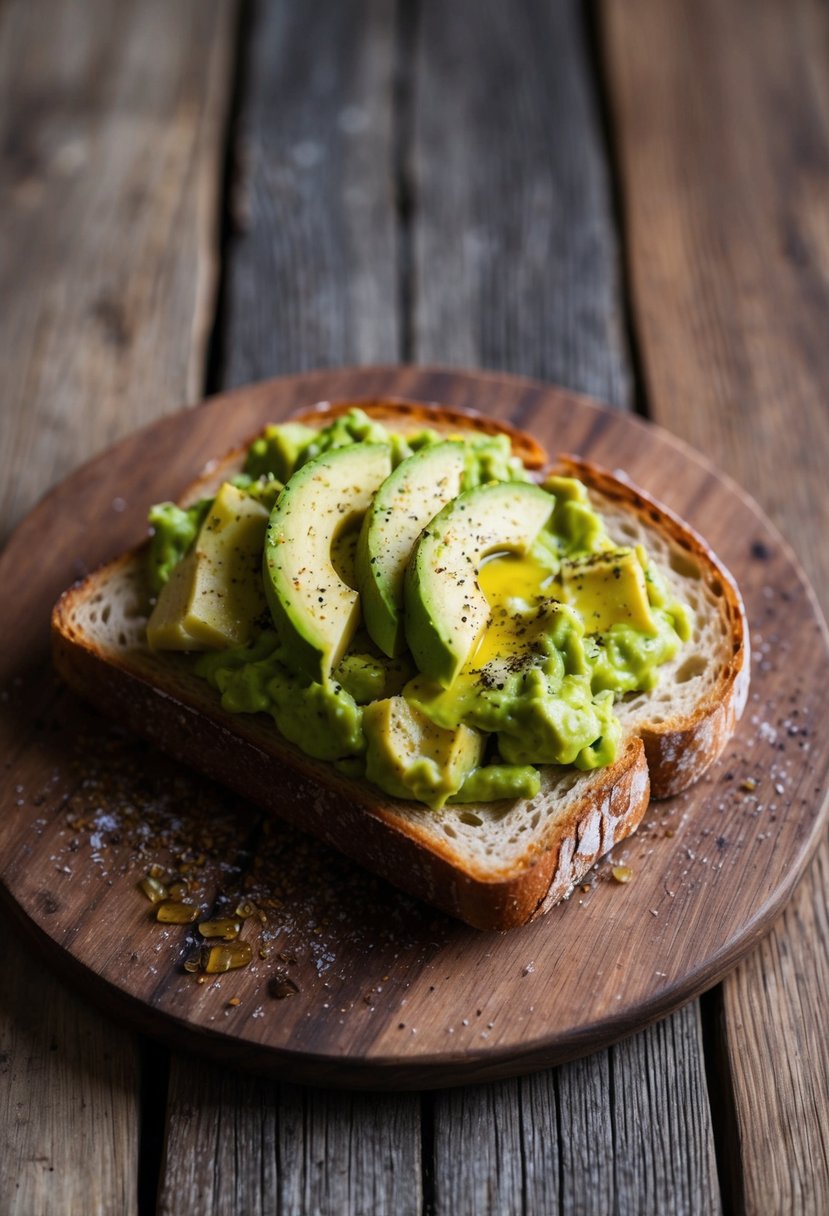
493 865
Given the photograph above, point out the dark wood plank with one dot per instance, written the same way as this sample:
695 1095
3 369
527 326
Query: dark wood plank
311 282
110 147
514 255
312 272
724 144
515 265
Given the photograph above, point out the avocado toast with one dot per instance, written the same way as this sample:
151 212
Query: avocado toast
494 863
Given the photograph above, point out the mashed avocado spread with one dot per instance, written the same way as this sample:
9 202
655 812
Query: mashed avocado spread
412 608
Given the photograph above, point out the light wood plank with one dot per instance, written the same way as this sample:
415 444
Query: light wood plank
111 123
68 1099
112 129
516 266
723 120
311 281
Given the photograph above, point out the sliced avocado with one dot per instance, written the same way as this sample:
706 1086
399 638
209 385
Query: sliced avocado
313 608
446 610
214 595
404 504
409 757
608 589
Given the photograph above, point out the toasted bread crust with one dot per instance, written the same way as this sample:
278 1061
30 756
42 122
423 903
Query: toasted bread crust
161 700
252 759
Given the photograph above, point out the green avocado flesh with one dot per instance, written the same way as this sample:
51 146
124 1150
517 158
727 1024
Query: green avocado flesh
314 609
212 598
413 609
402 507
446 610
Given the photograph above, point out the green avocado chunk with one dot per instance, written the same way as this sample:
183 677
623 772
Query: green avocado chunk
321 719
402 507
277 451
408 756
445 608
213 597
314 610
174 530
492 782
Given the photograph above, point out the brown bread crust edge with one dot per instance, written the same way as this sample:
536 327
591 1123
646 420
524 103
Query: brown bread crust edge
351 816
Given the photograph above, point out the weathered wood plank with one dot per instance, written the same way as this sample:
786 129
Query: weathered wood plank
111 135
68 1099
110 145
515 262
311 281
515 265
312 276
723 121
573 1139
238 1144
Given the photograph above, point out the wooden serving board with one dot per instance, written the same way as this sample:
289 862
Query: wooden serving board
351 982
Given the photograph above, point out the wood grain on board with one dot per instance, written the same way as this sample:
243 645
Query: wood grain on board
722 112
385 992
111 137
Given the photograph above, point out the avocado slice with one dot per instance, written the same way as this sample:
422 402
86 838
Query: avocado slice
410 757
608 588
313 608
404 504
214 595
446 610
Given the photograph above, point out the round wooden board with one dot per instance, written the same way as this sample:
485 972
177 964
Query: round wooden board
382 991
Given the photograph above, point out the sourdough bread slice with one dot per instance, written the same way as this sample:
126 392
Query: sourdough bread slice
493 865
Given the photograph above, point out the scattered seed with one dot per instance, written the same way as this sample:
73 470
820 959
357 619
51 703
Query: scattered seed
227 958
153 889
622 873
172 912
223 926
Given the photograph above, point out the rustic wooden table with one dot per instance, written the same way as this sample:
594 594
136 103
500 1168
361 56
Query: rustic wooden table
631 199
